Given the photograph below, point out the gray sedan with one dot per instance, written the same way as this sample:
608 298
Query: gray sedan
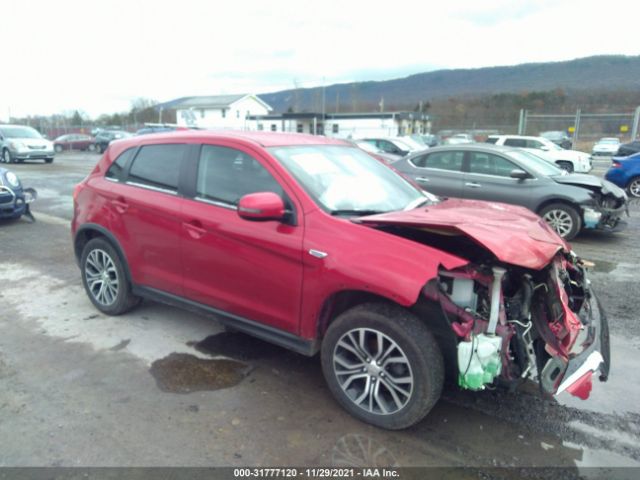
568 202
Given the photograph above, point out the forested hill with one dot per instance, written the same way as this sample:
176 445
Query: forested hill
599 73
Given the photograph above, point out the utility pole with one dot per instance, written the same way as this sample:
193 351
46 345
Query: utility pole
577 127
636 124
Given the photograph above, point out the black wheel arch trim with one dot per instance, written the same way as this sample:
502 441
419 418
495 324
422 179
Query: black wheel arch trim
110 237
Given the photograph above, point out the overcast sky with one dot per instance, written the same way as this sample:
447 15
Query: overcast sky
98 56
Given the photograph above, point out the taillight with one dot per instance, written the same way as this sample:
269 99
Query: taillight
616 164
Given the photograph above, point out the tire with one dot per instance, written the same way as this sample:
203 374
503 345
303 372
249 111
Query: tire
99 148
48 160
91 147
633 187
100 262
565 165
563 219
6 156
59 148
404 337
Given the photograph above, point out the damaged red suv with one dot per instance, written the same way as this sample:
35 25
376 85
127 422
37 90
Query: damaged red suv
313 245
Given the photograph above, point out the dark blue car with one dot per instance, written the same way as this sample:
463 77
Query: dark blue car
14 199
625 172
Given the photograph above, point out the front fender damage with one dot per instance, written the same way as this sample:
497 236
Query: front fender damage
513 324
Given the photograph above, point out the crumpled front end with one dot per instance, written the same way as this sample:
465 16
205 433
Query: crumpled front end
607 211
514 324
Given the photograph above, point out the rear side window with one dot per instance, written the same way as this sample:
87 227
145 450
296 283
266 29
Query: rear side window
441 160
117 167
491 140
158 166
516 142
226 174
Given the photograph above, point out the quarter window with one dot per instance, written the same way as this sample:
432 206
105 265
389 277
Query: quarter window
226 174
489 164
451 161
117 167
158 166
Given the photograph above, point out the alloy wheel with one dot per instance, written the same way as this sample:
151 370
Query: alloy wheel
634 187
373 371
101 277
560 221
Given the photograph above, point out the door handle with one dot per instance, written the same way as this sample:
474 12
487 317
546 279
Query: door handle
422 179
120 205
472 185
194 229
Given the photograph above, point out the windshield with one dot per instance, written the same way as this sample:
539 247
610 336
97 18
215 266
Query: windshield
345 180
609 141
534 163
20 132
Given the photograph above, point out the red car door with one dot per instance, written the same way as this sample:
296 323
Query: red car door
146 216
250 269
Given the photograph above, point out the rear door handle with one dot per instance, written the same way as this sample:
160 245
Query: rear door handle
472 185
194 228
120 205
422 179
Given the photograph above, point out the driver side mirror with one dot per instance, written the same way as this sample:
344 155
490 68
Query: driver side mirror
519 174
261 206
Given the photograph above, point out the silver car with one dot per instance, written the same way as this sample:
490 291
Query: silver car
20 142
568 202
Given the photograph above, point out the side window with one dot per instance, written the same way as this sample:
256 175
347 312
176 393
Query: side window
115 170
491 140
158 166
451 161
515 142
489 164
226 174
534 144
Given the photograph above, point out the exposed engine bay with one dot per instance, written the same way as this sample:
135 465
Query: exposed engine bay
515 324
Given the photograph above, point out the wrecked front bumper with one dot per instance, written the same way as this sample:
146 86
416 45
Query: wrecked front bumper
604 218
591 354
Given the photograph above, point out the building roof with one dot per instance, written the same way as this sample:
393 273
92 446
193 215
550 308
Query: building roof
343 116
211 101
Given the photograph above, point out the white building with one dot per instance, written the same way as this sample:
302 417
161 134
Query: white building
219 111
344 125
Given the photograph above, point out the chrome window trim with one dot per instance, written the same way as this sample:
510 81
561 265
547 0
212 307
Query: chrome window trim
228 206
155 189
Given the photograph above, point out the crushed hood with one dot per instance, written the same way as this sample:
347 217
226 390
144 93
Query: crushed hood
591 182
513 234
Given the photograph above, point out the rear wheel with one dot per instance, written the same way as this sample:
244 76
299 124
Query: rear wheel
48 160
633 187
104 278
562 218
383 365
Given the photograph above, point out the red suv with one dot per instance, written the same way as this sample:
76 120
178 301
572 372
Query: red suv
313 245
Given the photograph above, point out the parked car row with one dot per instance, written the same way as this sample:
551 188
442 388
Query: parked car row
394 288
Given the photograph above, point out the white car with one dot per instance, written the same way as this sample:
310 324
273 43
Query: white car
570 160
606 146
459 138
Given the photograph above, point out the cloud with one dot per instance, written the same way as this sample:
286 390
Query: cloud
77 54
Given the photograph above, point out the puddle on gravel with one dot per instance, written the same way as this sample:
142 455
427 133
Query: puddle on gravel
236 345
184 373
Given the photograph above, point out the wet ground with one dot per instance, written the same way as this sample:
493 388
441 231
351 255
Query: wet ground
160 386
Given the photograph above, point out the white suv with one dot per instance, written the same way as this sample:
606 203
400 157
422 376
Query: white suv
570 160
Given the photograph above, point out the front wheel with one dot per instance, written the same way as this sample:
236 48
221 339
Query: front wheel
6 156
48 160
383 365
563 219
633 187
104 278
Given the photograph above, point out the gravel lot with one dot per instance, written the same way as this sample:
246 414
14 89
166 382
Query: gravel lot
81 389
